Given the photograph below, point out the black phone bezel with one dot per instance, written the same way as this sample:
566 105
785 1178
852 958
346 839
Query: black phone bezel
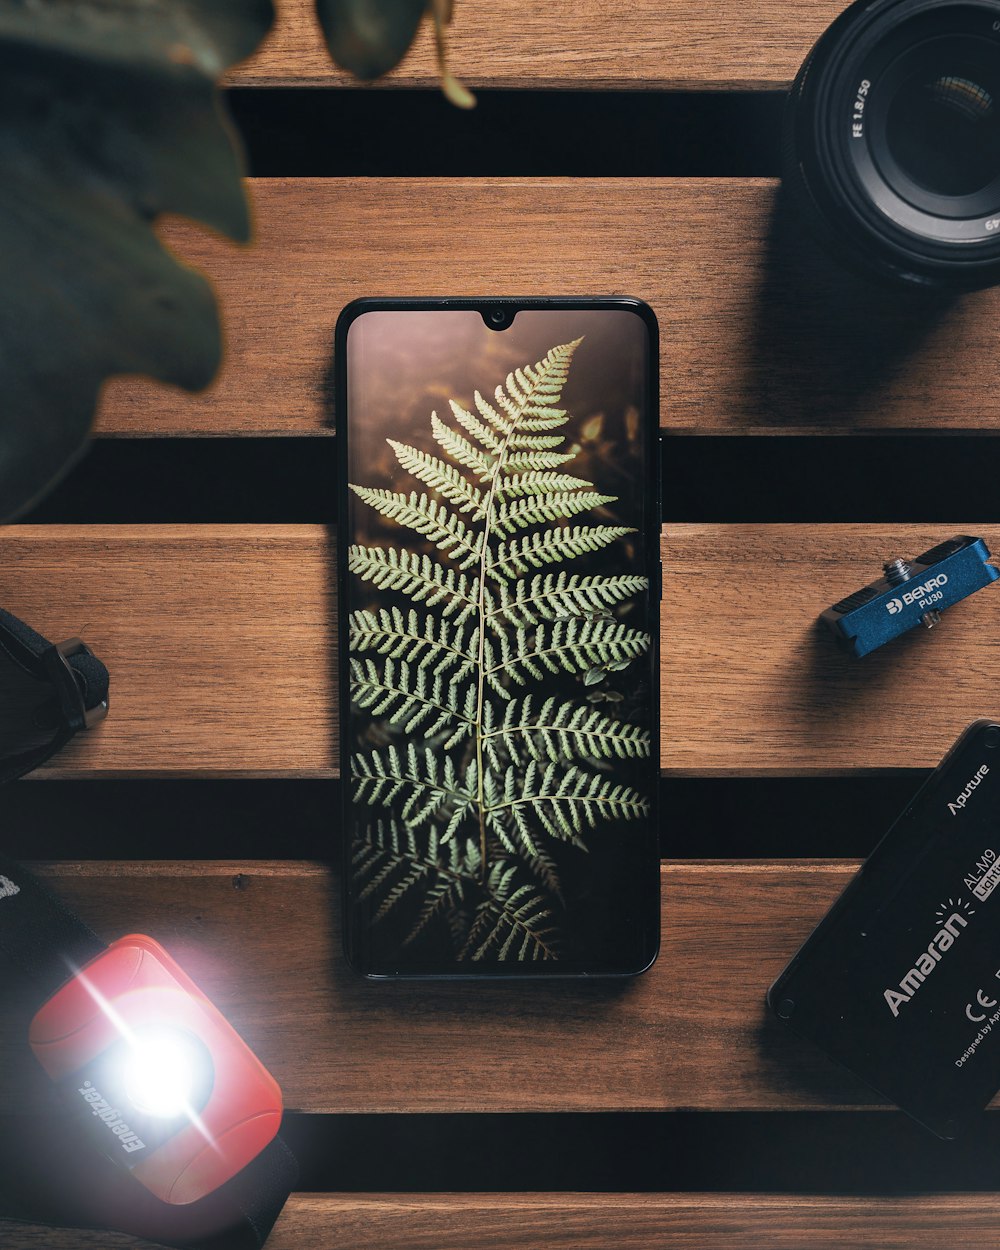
351 312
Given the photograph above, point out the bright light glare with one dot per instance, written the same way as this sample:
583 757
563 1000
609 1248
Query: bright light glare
160 1073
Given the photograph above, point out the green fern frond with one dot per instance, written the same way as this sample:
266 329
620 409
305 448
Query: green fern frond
444 895
519 412
383 851
552 547
528 404
576 645
549 596
481 433
562 798
418 577
440 476
535 442
531 392
543 866
461 450
536 483
456 880
513 922
389 862
498 821
536 509
427 517
503 425
530 461
564 731
422 640
518 836
414 699
428 786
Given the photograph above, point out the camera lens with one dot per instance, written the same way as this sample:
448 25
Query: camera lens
892 140
943 132
497 317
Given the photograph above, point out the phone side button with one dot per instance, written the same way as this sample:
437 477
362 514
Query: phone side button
660 585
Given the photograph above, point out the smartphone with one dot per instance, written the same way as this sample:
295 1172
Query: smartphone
499 582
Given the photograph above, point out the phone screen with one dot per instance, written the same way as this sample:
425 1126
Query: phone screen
499 578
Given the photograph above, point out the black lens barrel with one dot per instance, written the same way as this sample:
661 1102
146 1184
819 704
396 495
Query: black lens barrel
892 140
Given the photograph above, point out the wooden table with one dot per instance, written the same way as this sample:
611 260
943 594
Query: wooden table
243 617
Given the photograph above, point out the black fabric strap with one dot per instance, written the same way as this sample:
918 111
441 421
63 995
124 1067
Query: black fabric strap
78 680
42 945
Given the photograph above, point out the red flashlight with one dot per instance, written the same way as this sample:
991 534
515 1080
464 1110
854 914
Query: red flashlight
166 1086
161 1084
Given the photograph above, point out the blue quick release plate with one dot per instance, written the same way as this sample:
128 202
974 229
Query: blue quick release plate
911 593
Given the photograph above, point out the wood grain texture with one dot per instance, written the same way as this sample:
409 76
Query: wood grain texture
558 1221
760 334
263 941
753 685
625 45
219 640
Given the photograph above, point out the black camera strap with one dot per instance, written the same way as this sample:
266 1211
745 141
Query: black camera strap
52 1175
77 678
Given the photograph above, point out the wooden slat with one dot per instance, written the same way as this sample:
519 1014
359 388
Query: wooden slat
753 685
722 1221
640 44
753 341
222 645
219 640
263 941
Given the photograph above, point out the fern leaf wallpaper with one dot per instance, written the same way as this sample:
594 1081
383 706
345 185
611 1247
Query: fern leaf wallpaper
499 645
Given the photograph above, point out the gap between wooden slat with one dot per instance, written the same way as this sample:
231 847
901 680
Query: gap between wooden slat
759 333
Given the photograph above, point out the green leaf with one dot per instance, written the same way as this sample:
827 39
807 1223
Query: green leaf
481 433
561 798
532 391
447 481
566 731
369 38
427 786
420 639
390 862
537 509
549 596
553 547
536 483
529 461
427 517
111 118
417 576
514 922
576 645
461 450
413 699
